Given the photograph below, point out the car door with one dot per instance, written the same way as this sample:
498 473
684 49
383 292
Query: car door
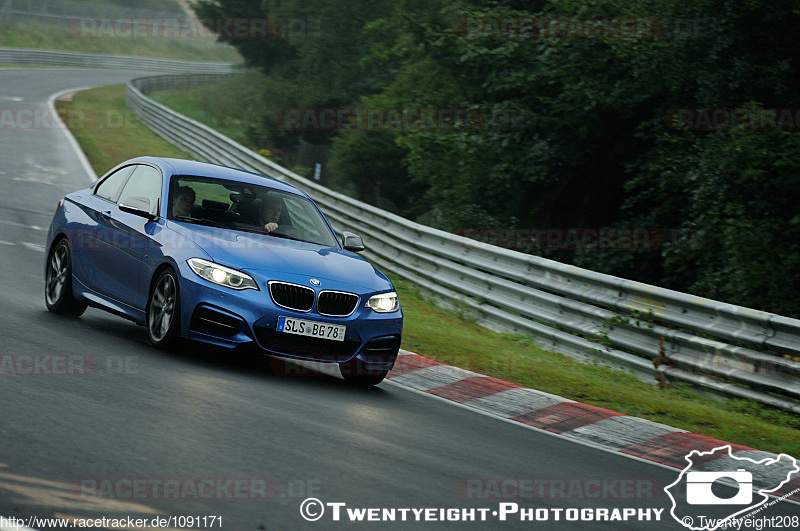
125 235
88 245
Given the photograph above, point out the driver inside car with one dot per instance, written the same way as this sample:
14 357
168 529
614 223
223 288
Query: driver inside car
271 210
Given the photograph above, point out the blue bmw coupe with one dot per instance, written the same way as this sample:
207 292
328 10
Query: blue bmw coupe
200 252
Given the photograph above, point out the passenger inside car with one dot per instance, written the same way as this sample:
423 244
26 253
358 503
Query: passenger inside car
184 200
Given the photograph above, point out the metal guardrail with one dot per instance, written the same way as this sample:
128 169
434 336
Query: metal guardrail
27 56
59 11
650 331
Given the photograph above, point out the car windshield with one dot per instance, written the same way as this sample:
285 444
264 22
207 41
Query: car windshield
241 206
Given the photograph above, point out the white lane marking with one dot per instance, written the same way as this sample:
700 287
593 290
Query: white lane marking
72 142
3 242
50 169
23 225
11 98
42 174
33 246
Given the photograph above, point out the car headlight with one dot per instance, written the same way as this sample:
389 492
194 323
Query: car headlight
384 303
224 276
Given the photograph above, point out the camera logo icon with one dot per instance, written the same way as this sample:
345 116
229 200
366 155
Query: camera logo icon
698 488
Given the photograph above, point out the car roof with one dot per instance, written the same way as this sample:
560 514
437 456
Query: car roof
196 168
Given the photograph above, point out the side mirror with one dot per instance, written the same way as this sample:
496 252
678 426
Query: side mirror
352 242
138 206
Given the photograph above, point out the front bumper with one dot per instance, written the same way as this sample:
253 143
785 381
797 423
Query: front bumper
229 318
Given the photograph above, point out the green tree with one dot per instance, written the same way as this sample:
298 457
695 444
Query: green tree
569 129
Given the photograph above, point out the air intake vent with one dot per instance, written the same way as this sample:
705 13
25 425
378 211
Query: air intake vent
305 347
209 321
382 349
336 303
292 296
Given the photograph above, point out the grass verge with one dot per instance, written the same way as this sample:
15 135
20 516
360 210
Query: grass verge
446 336
212 105
107 130
59 37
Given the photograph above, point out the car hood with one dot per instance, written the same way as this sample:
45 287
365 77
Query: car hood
275 257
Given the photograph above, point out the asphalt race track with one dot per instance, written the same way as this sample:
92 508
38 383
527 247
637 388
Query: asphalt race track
87 402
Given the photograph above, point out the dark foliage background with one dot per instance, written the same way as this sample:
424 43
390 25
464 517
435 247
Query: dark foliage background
574 132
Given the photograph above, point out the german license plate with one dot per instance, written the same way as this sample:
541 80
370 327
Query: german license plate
302 327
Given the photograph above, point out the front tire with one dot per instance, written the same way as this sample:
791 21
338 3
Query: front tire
164 311
58 282
357 373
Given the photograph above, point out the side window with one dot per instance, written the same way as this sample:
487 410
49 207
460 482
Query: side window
145 183
109 188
